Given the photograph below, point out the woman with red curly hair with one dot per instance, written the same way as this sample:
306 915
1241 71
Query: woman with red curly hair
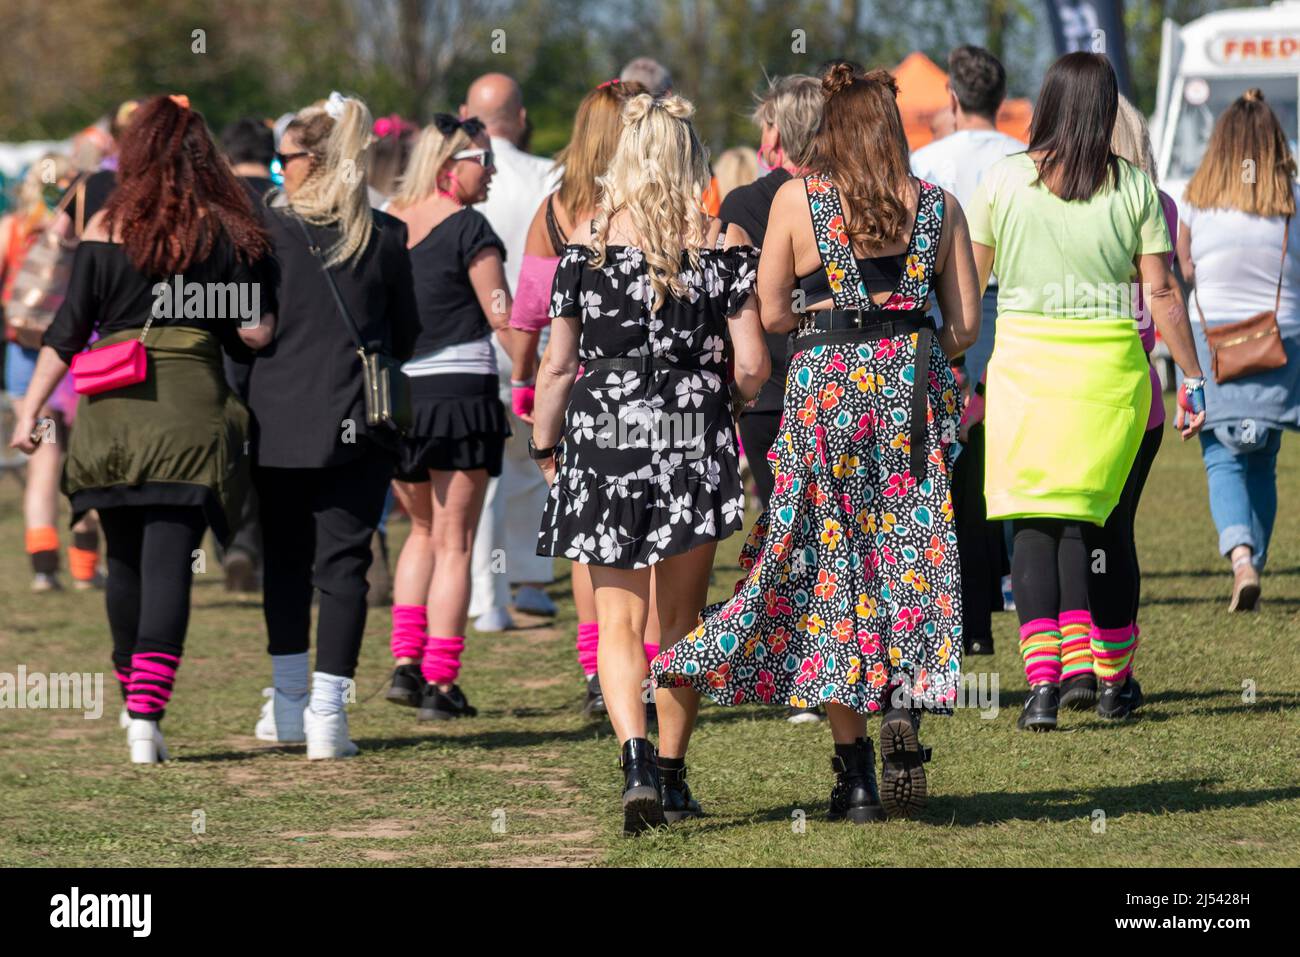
168 262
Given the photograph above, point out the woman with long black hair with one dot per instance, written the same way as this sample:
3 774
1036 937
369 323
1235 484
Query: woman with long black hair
162 458
1068 226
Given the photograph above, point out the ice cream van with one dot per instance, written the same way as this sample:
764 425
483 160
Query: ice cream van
1208 63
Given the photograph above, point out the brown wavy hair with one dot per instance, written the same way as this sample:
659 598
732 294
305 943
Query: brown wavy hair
1247 138
175 195
861 147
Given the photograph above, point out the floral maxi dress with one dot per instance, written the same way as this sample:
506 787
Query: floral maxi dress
852 584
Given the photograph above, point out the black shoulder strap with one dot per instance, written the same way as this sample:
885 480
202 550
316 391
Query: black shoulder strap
329 276
556 235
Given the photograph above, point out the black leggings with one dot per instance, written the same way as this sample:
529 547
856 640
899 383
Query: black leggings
316 531
150 570
1063 566
758 431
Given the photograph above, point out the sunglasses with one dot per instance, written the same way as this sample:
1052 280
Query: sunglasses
284 158
482 157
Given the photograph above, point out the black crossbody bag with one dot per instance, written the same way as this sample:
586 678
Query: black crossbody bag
386 387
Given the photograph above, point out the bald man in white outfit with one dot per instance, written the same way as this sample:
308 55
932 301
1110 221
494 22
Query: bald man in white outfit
505 548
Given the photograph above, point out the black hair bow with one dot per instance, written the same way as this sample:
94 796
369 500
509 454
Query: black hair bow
448 125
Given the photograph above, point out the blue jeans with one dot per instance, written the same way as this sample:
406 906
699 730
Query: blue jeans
977 357
1241 469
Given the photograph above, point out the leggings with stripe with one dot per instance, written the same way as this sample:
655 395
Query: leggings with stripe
1059 566
150 550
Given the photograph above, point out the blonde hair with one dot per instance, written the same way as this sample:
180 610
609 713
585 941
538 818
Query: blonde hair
1247 137
334 192
1131 140
432 150
737 166
793 105
30 201
658 174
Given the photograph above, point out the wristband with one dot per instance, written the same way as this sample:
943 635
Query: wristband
520 383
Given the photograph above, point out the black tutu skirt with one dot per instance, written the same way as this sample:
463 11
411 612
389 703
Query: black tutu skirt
458 424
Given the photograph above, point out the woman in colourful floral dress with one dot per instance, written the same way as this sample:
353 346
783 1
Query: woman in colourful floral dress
852 588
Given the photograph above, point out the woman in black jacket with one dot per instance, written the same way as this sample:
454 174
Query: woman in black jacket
321 476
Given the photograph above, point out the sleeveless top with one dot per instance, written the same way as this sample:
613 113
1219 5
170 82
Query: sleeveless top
843 272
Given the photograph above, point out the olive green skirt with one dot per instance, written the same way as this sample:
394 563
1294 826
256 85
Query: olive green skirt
180 437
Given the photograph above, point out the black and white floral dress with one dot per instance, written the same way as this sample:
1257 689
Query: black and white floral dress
649 466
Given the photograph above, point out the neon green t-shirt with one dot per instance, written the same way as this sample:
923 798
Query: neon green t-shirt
1066 260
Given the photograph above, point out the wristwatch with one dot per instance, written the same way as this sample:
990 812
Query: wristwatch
539 455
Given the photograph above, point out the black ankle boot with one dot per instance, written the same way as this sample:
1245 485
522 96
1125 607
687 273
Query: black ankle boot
854 796
642 805
678 802
902 761
1039 712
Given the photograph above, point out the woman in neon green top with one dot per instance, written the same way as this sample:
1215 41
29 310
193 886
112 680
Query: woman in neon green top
1070 228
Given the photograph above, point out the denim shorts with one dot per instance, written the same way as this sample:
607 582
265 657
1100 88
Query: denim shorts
20 363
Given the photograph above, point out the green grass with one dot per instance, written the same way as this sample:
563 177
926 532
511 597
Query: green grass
1203 778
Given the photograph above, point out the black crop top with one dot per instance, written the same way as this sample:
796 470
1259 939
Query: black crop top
445 299
880 273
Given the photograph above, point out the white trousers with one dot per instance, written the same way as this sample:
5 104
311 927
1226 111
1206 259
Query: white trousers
505 546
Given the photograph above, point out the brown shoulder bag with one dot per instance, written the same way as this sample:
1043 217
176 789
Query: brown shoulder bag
1252 345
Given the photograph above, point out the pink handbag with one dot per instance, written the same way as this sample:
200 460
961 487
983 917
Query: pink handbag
110 367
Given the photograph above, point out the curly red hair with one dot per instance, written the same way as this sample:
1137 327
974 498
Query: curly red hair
175 194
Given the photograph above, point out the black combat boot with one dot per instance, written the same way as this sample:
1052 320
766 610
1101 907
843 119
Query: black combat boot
855 796
678 802
642 805
902 760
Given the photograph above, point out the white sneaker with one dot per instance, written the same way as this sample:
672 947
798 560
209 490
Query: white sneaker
145 740
281 719
327 735
497 619
124 720
534 601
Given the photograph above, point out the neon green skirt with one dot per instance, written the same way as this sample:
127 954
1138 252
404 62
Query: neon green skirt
1066 405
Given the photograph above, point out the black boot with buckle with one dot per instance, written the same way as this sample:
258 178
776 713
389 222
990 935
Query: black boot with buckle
642 804
902 761
854 796
678 802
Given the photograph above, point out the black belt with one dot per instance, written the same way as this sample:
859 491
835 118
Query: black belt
642 364
835 327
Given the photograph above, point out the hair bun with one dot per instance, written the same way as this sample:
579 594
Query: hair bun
1253 95
837 78
636 108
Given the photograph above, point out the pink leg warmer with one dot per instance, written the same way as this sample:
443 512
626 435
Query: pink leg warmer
588 639
441 662
409 623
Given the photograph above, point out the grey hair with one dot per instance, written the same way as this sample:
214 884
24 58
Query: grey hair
792 104
650 73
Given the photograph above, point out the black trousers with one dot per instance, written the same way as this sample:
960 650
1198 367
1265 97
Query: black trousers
980 543
758 430
150 551
1059 565
316 531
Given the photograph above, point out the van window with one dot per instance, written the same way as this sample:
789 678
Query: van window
1195 123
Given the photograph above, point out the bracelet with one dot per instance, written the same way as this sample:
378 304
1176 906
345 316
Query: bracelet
522 383
1192 383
